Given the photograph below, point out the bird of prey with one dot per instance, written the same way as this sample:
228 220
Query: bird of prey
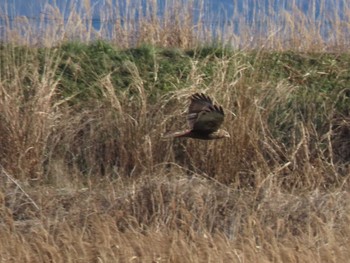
204 120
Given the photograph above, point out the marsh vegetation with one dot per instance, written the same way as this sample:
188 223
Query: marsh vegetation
85 176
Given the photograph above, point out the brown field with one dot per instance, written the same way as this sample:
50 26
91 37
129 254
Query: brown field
86 177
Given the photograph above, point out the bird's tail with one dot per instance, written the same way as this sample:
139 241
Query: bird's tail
176 134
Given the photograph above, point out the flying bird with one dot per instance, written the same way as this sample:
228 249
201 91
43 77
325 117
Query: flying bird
204 120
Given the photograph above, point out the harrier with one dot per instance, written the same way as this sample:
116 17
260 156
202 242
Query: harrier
204 120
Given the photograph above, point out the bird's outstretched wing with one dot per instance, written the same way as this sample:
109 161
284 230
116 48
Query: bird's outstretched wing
203 116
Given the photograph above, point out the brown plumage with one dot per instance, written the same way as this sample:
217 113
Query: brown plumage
204 120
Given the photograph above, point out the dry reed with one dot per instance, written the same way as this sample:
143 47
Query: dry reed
85 176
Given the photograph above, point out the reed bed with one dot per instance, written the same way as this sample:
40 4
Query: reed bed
85 175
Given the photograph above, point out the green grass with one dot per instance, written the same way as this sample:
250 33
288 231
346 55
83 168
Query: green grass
291 88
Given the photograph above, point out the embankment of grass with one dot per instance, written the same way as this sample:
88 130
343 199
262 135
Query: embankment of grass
86 176
105 99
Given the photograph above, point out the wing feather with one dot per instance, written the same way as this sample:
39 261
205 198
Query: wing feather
203 116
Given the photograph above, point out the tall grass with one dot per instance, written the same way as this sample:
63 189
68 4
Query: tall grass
298 25
85 174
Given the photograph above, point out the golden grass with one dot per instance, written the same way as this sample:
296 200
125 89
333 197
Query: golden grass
173 219
94 182
88 179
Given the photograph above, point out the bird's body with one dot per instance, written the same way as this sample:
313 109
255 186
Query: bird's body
204 119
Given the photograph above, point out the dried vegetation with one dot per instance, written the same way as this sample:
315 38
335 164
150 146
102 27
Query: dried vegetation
86 177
